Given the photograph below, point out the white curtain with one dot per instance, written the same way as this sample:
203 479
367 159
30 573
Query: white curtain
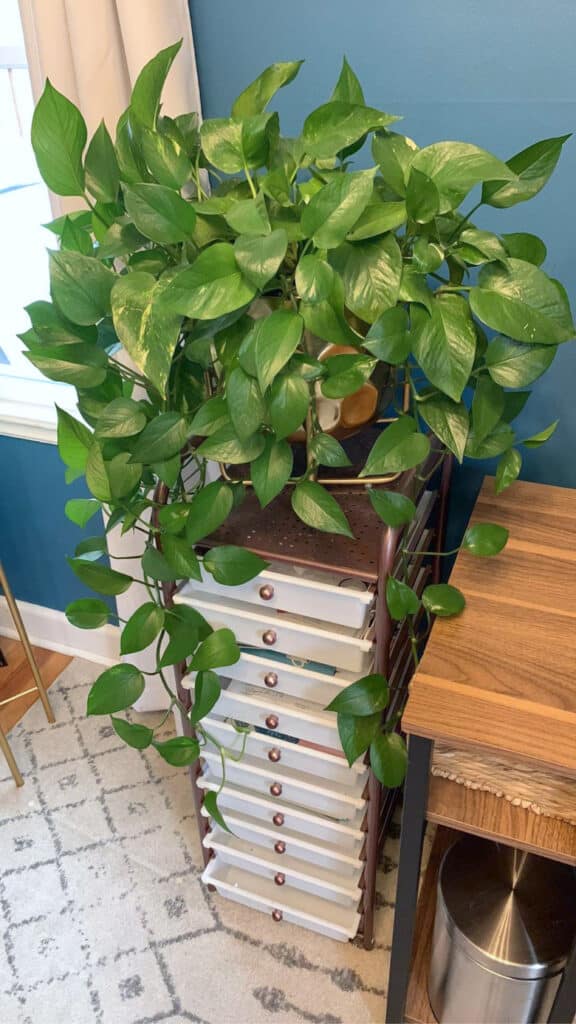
93 50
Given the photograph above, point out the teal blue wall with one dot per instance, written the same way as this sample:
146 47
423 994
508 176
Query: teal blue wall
35 535
500 73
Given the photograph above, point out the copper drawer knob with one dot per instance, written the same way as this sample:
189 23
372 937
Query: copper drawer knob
276 789
274 755
272 722
266 592
277 915
269 638
280 847
271 679
278 820
279 878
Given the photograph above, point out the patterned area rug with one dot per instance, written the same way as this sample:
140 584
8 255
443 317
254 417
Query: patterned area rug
104 919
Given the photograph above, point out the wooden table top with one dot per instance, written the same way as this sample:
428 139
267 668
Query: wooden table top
502 675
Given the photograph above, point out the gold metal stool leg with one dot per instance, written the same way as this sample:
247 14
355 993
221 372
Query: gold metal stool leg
5 748
21 629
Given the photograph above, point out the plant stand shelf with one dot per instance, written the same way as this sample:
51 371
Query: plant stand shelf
277 534
293 708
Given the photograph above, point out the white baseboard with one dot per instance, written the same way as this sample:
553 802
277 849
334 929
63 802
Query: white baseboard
50 628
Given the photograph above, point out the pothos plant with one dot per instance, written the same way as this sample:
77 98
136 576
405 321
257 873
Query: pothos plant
183 228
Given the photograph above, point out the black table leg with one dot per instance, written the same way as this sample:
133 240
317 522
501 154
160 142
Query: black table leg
564 1006
412 835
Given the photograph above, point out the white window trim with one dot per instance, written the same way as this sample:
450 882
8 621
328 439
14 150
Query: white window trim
28 407
27 401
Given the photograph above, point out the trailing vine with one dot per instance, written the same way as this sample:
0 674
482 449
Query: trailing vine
221 282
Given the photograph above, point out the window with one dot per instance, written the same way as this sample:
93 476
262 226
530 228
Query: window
26 398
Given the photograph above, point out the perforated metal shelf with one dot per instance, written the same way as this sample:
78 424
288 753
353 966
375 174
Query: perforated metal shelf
277 534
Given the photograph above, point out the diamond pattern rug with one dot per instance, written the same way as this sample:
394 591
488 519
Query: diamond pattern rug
104 919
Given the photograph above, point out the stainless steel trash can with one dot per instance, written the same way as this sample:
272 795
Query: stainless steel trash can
505 922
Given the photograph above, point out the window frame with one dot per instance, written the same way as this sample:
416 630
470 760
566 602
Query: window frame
28 401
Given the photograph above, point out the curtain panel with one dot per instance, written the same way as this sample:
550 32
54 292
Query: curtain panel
93 50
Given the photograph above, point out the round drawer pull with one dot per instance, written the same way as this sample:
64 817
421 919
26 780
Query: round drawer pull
271 680
274 755
277 915
279 878
276 789
266 592
272 721
280 847
278 820
269 638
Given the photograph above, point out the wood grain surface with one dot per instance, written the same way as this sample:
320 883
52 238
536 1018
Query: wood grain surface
418 1009
16 677
503 674
494 817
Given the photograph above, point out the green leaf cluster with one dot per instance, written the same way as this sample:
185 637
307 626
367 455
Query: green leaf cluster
362 728
195 297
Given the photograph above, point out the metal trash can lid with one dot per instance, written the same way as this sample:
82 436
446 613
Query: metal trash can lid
511 911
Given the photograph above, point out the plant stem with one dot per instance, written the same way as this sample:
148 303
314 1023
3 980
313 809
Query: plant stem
174 699
249 180
225 751
413 641
308 245
408 381
164 717
318 174
146 527
424 479
454 288
409 619
436 554
463 222
201 194
310 461
120 558
95 211
129 374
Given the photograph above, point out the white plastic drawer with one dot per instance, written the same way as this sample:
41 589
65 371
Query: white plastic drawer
278 713
296 678
346 836
295 787
291 873
302 591
288 843
292 905
297 636
286 754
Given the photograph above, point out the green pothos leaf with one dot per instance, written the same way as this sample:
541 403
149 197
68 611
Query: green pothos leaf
508 469
443 599
179 751
389 759
356 734
485 539
210 803
316 507
134 734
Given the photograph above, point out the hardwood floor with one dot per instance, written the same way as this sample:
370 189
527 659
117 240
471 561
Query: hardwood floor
16 676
